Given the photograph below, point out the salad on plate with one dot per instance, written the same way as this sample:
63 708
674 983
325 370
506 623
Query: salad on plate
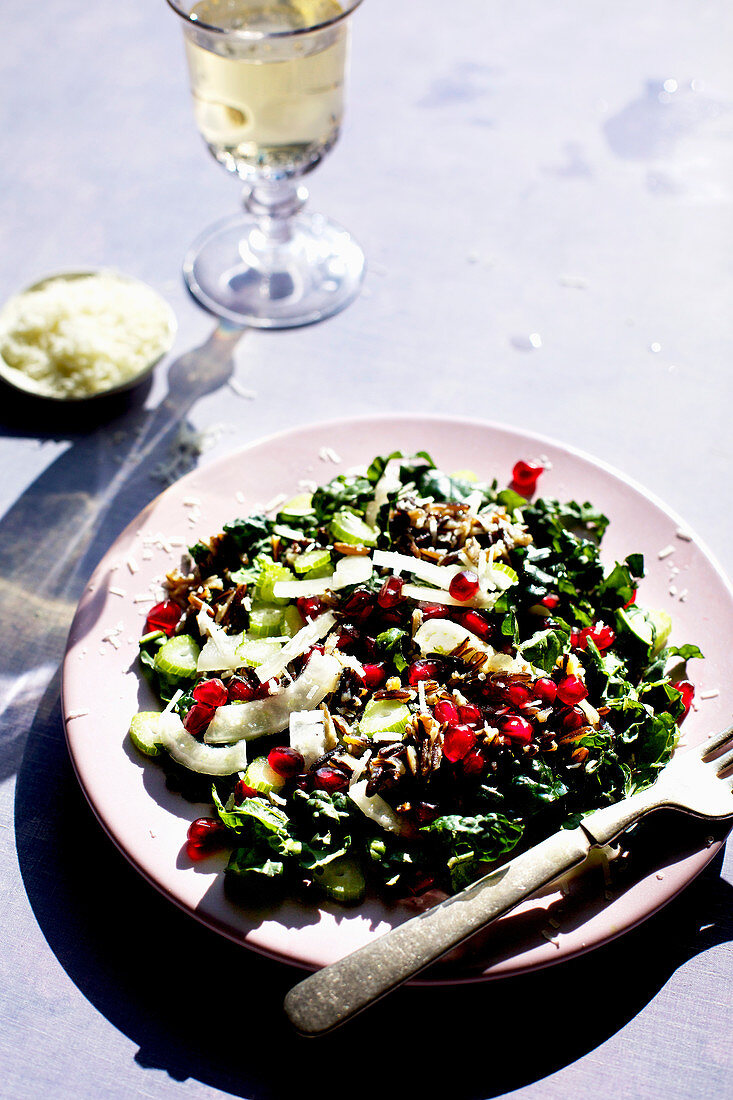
403 678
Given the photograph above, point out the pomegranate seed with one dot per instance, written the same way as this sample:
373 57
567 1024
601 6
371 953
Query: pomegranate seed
164 616
525 475
457 742
330 780
518 728
422 670
198 718
476 623
517 694
285 761
310 607
545 690
359 605
205 832
573 719
349 635
473 762
374 675
390 594
243 790
464 585
212 692
550 601
603 636
421 884
317 648
687 691
239 690
425 812
470 715
432 610
445 711
262 691
197 852
571 690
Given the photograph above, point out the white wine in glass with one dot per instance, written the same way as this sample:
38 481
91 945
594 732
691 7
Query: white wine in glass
267 78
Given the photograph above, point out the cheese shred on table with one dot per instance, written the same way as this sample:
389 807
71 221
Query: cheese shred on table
78 337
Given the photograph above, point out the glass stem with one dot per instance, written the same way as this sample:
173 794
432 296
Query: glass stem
273 203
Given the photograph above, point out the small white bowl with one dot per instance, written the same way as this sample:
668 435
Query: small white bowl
24 384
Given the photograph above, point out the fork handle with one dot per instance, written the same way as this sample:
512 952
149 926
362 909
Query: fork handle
338 991
608 823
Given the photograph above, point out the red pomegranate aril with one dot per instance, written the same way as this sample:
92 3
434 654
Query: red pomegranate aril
164 616
426 812
262 691
445 711
390 594
545 690
285 761
470 715
212 692
330 780
517 694
374 675
571 690
421 884
687 691
525 476
476 623
198 718
359 605
317 648
474 762
205 832
573 719
603 636
518 728
457 742
348 635
432 610
243 790
422 670
464 585
197 852
310 607
239 690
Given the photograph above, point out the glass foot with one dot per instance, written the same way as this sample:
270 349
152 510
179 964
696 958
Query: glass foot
238 273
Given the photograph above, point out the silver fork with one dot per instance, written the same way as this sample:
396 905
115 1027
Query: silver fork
690 782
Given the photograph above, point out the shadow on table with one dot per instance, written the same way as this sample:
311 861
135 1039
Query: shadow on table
120 456
201 1007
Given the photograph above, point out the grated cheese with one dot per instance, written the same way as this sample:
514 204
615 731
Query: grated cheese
76 337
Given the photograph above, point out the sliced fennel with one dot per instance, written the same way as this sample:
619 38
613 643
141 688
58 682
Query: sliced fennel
301 642
375 807
167 731
355 569
246 721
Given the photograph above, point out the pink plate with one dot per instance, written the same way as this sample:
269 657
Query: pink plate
102 687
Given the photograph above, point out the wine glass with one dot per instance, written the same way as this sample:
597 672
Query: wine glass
267 78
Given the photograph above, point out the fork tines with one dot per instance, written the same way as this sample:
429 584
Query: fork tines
716 741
